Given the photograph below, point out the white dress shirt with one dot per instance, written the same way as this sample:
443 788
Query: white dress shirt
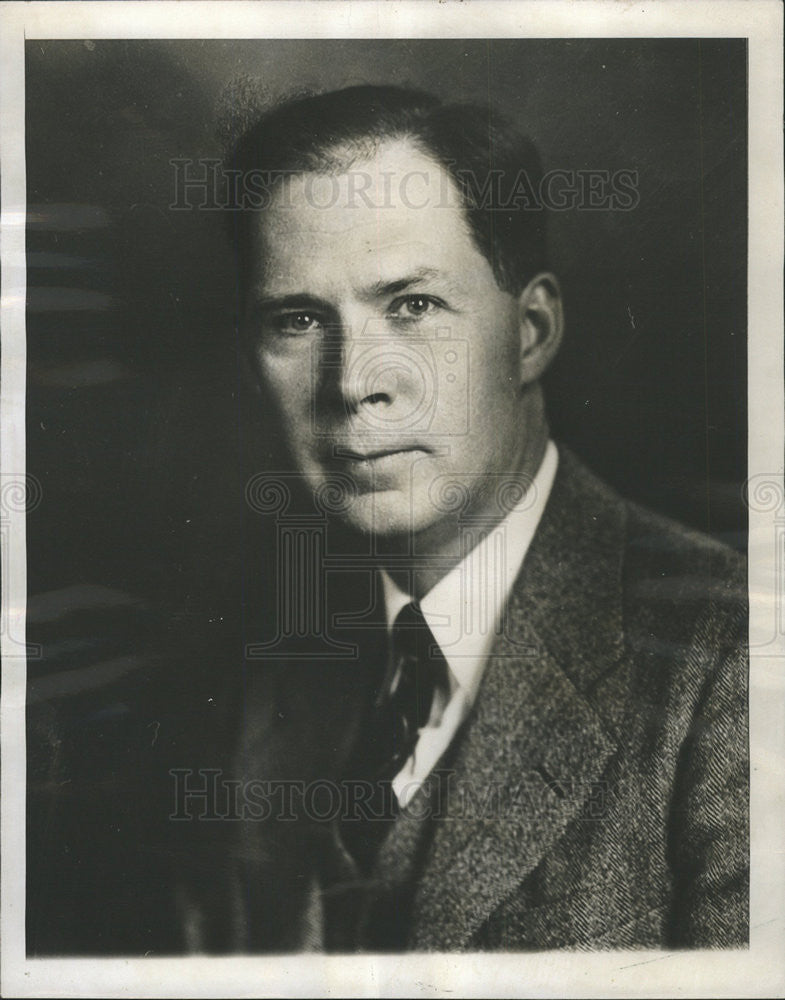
464 612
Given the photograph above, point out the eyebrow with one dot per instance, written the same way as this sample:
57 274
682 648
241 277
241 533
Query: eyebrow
380 289
296 301
383 288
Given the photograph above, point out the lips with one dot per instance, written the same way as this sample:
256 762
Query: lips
371 455
379 468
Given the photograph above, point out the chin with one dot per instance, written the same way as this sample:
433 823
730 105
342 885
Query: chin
386 514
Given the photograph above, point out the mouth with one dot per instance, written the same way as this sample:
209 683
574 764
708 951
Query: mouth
378 469
369 457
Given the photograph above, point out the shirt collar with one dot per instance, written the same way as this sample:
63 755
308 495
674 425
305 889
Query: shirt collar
464 609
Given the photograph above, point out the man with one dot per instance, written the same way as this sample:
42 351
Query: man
570 767
498 707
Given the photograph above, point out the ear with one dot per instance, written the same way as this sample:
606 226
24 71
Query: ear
541 325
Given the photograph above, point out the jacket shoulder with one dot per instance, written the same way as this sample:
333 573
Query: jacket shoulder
656 562
678 567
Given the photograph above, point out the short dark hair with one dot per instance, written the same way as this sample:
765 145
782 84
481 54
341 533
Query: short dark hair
496 169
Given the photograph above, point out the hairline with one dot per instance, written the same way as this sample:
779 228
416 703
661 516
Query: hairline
327 161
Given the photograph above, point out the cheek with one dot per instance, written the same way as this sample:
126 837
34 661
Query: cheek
285 384
494 375
283 379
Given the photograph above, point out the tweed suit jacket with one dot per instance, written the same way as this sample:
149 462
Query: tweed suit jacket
596 797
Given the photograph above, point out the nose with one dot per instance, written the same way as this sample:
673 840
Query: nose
364 379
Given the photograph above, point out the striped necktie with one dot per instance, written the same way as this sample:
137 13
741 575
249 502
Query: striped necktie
401 708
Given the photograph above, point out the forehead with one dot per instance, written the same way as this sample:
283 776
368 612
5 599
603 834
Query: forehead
396 211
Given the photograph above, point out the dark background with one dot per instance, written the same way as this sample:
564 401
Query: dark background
139 428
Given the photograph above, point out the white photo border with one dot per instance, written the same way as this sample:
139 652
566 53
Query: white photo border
758 971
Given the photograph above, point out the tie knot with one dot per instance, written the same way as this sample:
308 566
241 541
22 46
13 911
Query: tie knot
420 667
413 641
410 616
411 634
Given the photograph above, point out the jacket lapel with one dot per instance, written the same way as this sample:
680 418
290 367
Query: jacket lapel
535 743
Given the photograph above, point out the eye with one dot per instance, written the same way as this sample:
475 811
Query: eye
298 323
413 307
418 304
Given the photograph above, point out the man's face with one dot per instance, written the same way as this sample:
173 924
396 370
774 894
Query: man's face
391 354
